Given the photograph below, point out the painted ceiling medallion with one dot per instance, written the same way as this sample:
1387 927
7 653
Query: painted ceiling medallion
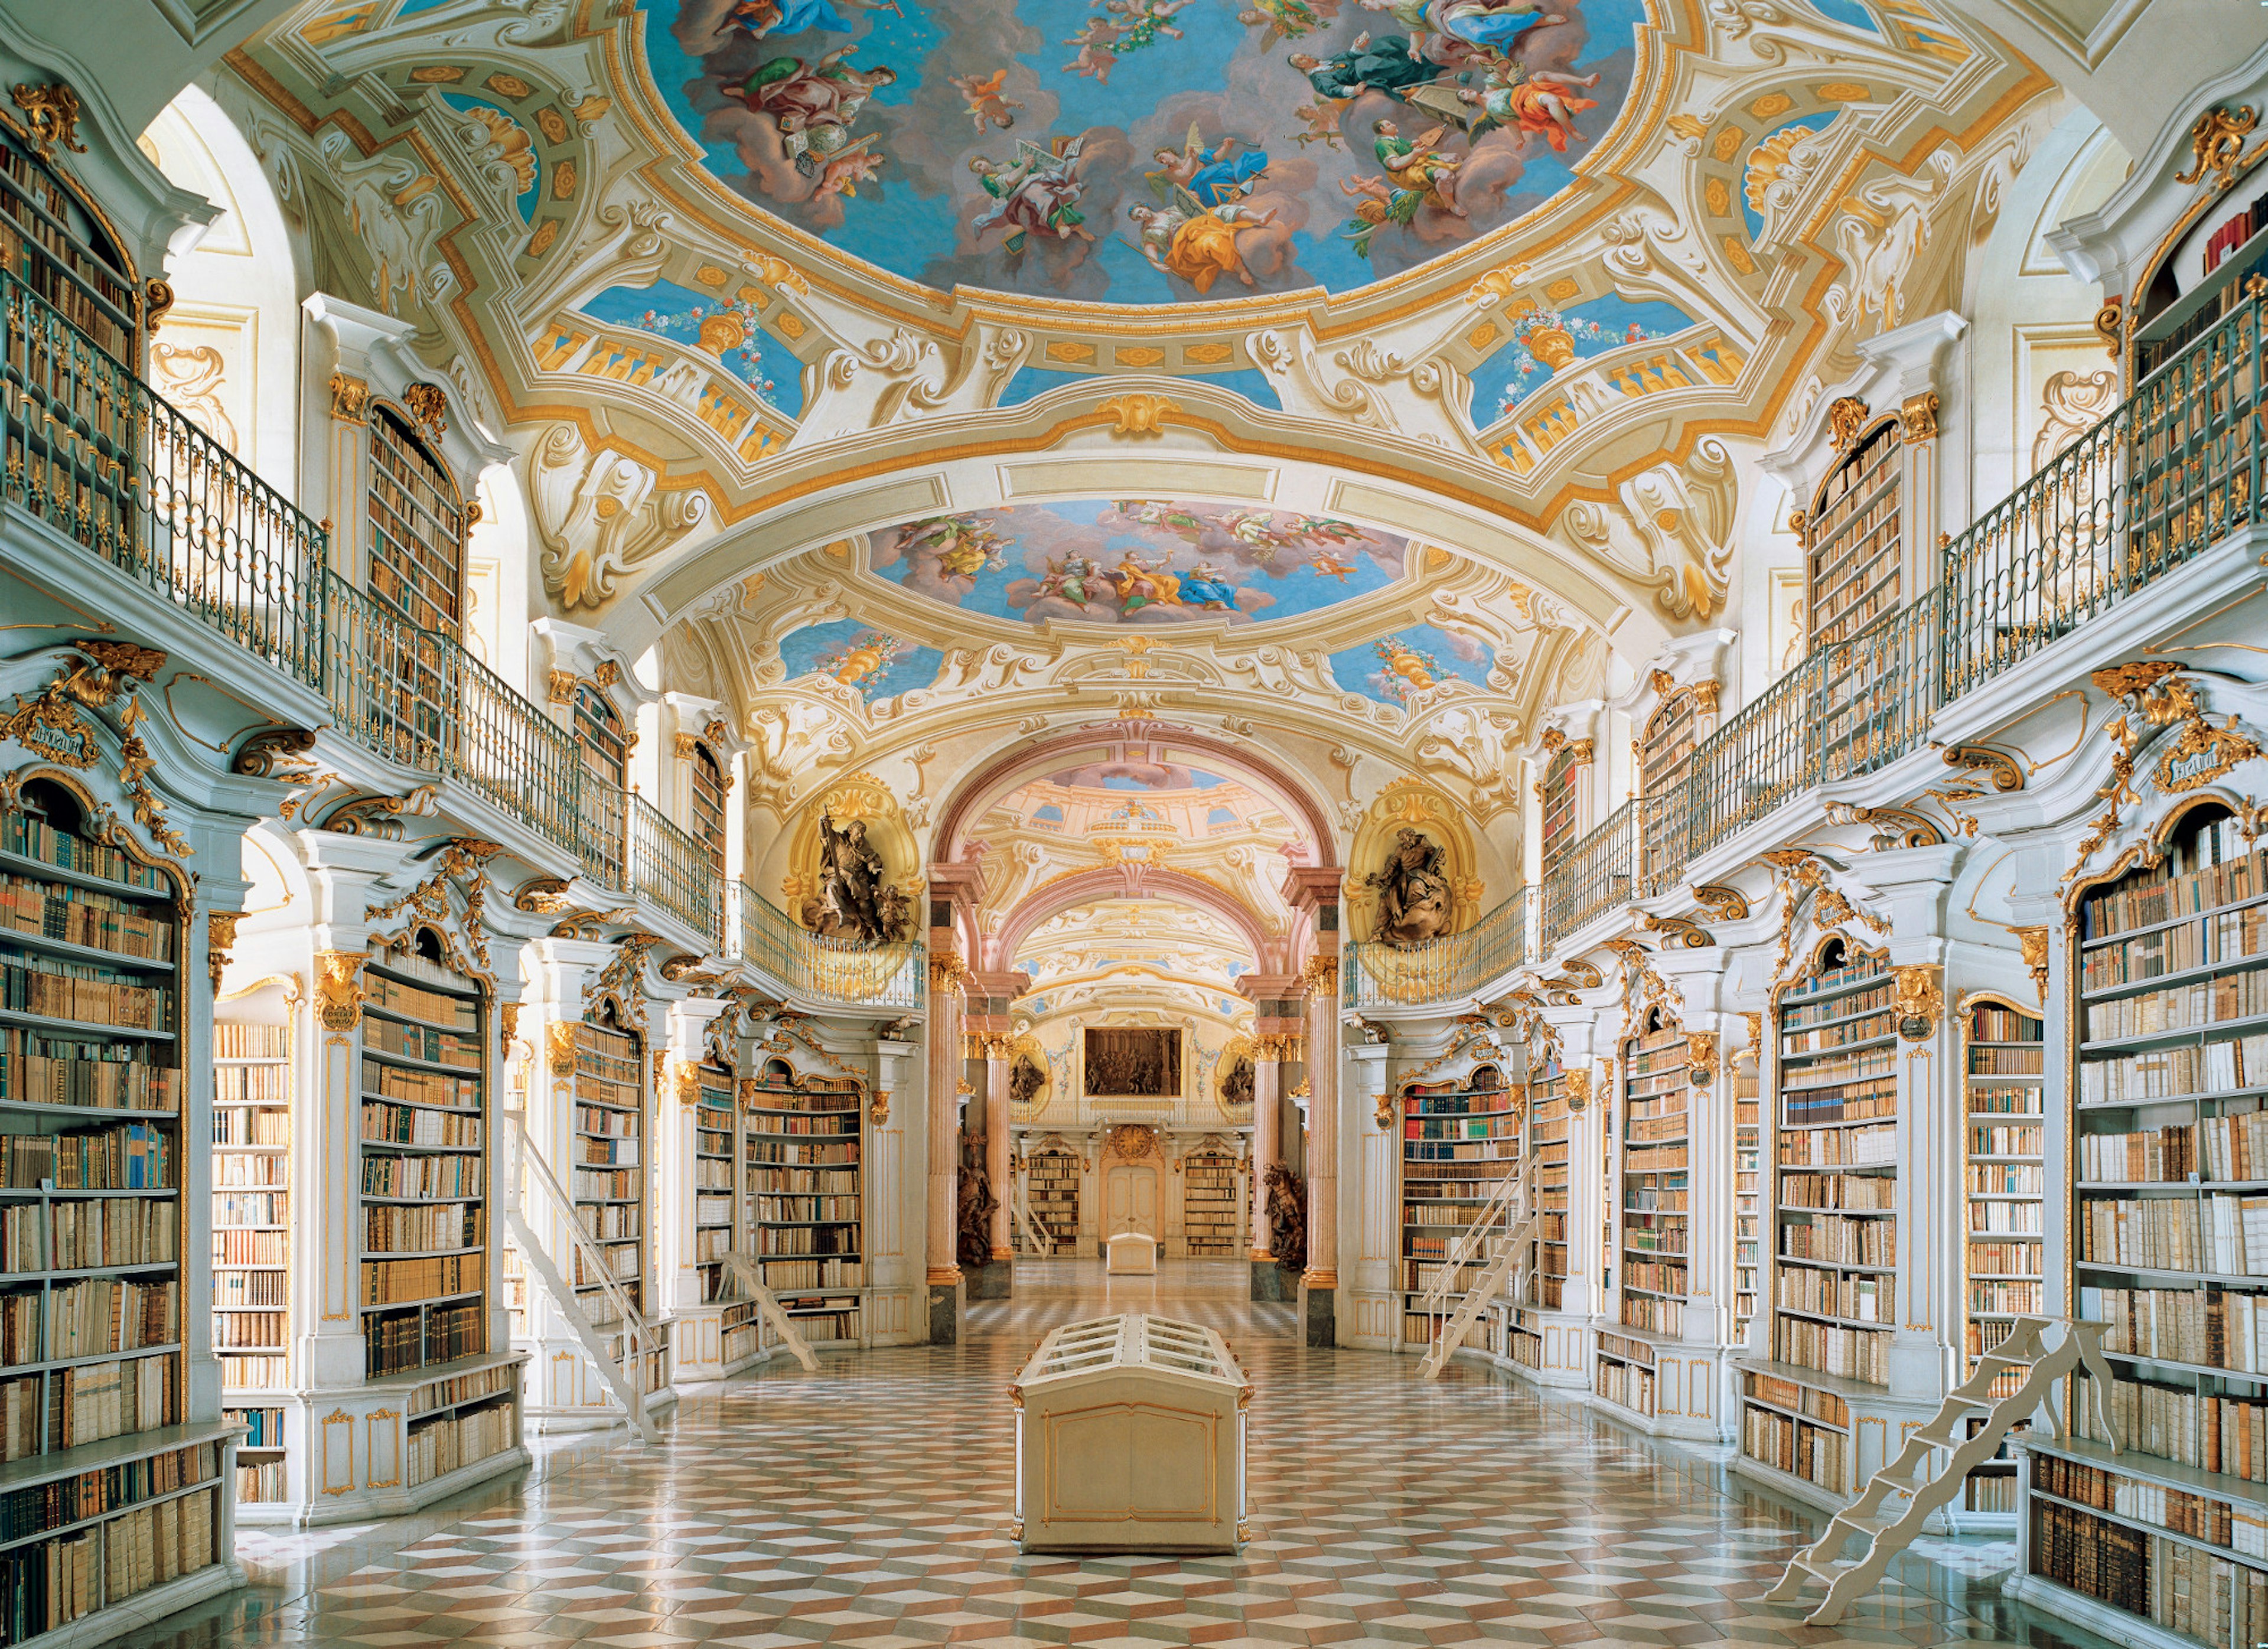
1137 562
1145 151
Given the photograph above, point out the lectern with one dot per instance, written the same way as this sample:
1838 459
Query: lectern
1130 1438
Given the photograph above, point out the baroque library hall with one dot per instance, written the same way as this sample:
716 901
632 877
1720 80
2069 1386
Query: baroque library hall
1579 955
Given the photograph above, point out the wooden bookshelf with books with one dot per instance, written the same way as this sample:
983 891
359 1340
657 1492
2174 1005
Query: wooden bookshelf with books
252 1222
803 1187
1549 1123
1829 1231
1652 1212
2003 1053
1747 1190
716 1150
1854 550
118 1507
611 1176
63 253
2169 1237
1460 1137
1051 1181
1209 1205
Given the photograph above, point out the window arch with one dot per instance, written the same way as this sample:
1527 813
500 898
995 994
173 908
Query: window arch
417 527
1854 541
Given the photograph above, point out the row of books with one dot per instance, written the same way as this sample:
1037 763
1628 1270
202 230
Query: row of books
778 1209
2155 1154
2006 1062
1788 1445
249 1330
1862 1354
1838 1241
386 1175
799 1128
79 916
761 1096
620 1153
2003 1297
828 1273
392 1282
2004 1218
2237 996
89 1494
2004 1101
388 1125
422 1041
458 1388
2211 1432
1808 1401
44 987
433 1008
2220 1233
1858 1299
1855 1192
1653 1278
605 1121
2214 1328
235 1039
807 1239
101 1075
439 1447
766 1152
232 1209
1824 1039
621 1263
250 1289
90 1317
2017 1139
87 1236
247 1248
397 1344
1839 1070
243 1170
1624 1383
2234 937
124 1157
32 838
2005 1259
260 1482
254 1373
398 1228
1843 1102
2005 1179
420 1087
2165 1074
1836 1148
611 1222
592 1186
2150 898
1991 1023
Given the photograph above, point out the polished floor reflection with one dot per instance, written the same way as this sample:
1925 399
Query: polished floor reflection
869 1504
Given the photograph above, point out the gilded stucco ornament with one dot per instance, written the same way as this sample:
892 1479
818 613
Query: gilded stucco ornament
1725 904
2217 143
1846 415
2033 942
1579 1089
1701 1056
2152 695
1138 416
220 938
51 114
338 990
1916 1002
560 1036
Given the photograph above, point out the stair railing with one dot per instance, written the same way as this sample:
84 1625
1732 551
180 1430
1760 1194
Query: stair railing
750 1277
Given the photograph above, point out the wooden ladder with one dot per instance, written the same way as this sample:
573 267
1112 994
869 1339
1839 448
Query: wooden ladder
1035 1235
2047 1348
750 1277
1513 1202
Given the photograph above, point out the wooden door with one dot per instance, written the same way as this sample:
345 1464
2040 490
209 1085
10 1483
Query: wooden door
1131 1201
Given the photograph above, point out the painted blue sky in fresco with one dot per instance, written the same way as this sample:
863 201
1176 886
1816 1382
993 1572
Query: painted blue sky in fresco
763 363
882 167
1514 374
877 664
1137 562
1396 668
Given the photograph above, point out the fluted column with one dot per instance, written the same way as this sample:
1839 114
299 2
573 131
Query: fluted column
945 971
1265 1107
1323 1143
996 1143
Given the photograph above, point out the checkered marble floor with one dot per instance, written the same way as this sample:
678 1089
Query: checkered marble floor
868 1505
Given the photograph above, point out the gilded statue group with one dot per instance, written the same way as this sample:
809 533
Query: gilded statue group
854 902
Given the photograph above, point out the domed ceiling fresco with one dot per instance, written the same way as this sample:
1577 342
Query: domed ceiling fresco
1138 562
1145 151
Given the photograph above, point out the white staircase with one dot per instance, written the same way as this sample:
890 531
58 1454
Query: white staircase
1938 1458
750 1277
1513 1204
1036 1235
524 1169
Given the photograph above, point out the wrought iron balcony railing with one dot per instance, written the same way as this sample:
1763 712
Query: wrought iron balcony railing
824 969
98 455
672 871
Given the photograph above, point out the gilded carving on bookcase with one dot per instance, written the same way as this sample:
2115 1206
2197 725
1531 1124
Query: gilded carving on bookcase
2033 942
591 926
2216 142
1578 1087
49 721
428 405
1725 904
1846 415
1893 827
1917 416
540 895
1701 1058
559 685
349 398
1998 767
220 936
1916 1002
51 114
2152 694
338 990
1679 932
560 1037
380 817
621 980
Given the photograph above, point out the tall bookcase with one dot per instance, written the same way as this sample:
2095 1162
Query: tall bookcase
1747 1186
1052 1183
1459 1139
1854 555
252 1222
611 1163
2003 1053
1652 1213
1832 1226
2171 1157
716 1149
1209 1205
803 1182
94 1006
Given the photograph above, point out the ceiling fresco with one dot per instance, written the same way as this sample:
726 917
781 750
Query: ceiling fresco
723 326
1145 562
1399 668
1144 150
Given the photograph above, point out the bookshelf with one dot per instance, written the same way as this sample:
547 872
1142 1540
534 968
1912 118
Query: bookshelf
417 527
803 1192
1209 1205
1748 1183
1830 1277
119 1509
715 1148
610 1163
1548 1095
1855 551
2170 1151
1460 1137
1652 1212
1557 792
1052 1183
54 245
251 1221
2002 1062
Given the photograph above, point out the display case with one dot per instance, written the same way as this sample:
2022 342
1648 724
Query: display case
1131 1438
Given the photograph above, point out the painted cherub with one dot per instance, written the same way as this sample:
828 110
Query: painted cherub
1143 22
1097 44
1318 122
1288 20
987 105
1326 564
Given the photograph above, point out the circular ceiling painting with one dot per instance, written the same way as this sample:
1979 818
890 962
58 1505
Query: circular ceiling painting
1145 151
1140 561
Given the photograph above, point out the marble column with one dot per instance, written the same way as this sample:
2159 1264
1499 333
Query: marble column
1268 1279
1320 1285
996 1145
943 1147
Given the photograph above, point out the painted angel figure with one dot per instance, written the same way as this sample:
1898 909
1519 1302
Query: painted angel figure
1217 176
760 17
1319 123
811 104
1207 587
1197 246
1540 101
1076 580
987 104
1142 22
1038 194
1487 28
1098 55
1288 20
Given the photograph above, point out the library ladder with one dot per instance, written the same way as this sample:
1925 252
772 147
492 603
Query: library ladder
1514 1203
750 1277
1043 1245
2046 1350
524 1169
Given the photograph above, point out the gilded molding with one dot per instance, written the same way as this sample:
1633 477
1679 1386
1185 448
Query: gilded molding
1999 767
51 113
1917 416
220 939
1846 415
2034 944
560 686
1138 416
1701 1058
1725 904
429 405
1679 931
560 1036
349 398
2216 142
1916 1002
338 990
